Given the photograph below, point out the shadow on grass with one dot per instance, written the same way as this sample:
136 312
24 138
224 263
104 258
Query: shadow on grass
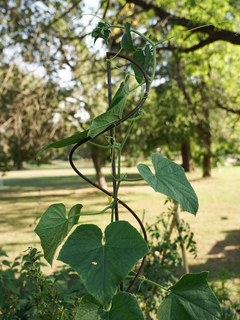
224 254
55 183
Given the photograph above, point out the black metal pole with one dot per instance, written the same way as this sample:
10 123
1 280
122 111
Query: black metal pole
111 128
112 134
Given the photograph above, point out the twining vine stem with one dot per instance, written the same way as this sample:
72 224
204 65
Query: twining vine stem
111 128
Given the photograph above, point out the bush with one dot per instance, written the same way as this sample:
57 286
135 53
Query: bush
25 293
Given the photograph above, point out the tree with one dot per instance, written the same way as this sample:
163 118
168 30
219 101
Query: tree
28 107
48 35
188 55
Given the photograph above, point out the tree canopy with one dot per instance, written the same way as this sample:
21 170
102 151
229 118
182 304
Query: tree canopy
197 76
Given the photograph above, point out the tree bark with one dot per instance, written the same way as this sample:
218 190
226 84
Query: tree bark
18 165
206 166
186 156
205 134
211 31
101 181
204 131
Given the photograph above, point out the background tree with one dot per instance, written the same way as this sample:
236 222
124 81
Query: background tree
29 105
198 64
51 35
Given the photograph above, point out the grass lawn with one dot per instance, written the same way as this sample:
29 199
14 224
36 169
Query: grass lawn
28 193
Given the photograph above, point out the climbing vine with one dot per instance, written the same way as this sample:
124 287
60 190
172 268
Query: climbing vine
104 260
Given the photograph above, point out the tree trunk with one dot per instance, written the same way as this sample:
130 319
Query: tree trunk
206 165
101 181
18 165
204 131
186 156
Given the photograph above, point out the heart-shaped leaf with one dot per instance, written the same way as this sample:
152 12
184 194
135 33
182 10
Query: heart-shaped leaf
126 42
143 58
124 306
190 298
102 267
114 112
66 142
170 180
53 227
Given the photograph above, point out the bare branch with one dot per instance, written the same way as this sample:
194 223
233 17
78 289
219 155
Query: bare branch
64 13
107 7
219 105
215 34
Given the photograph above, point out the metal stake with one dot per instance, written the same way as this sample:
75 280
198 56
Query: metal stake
112 134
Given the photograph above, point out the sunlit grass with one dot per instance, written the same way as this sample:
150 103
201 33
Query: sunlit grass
27 194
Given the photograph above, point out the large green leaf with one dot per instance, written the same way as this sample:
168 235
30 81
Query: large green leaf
114 112
102 267
66 142
143 58
191 298
126 42
124 306
170 180
53 227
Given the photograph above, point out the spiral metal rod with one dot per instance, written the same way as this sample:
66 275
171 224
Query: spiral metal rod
111 127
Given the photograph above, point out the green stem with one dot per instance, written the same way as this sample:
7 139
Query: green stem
119 169
139 85
135 31
125 138
149 281
118 184
141 113
100 146
154 65
132 180
181 33
93 214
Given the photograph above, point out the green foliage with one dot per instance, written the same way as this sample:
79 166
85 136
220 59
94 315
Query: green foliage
222 292
109 263
170 180
191 298
103 262
77 137
28 104
101 31
123 306
114 112
164 262
126 42
25 293
53 227
143 58
229 314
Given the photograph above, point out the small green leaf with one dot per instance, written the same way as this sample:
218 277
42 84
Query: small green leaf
126 42
114 112
102 267
101 31
53 227
143 58
170 180
2 253
124 306
66 142
11 287
190 298
6 263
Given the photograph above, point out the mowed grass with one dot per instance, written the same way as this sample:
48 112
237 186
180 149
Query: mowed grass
28 193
